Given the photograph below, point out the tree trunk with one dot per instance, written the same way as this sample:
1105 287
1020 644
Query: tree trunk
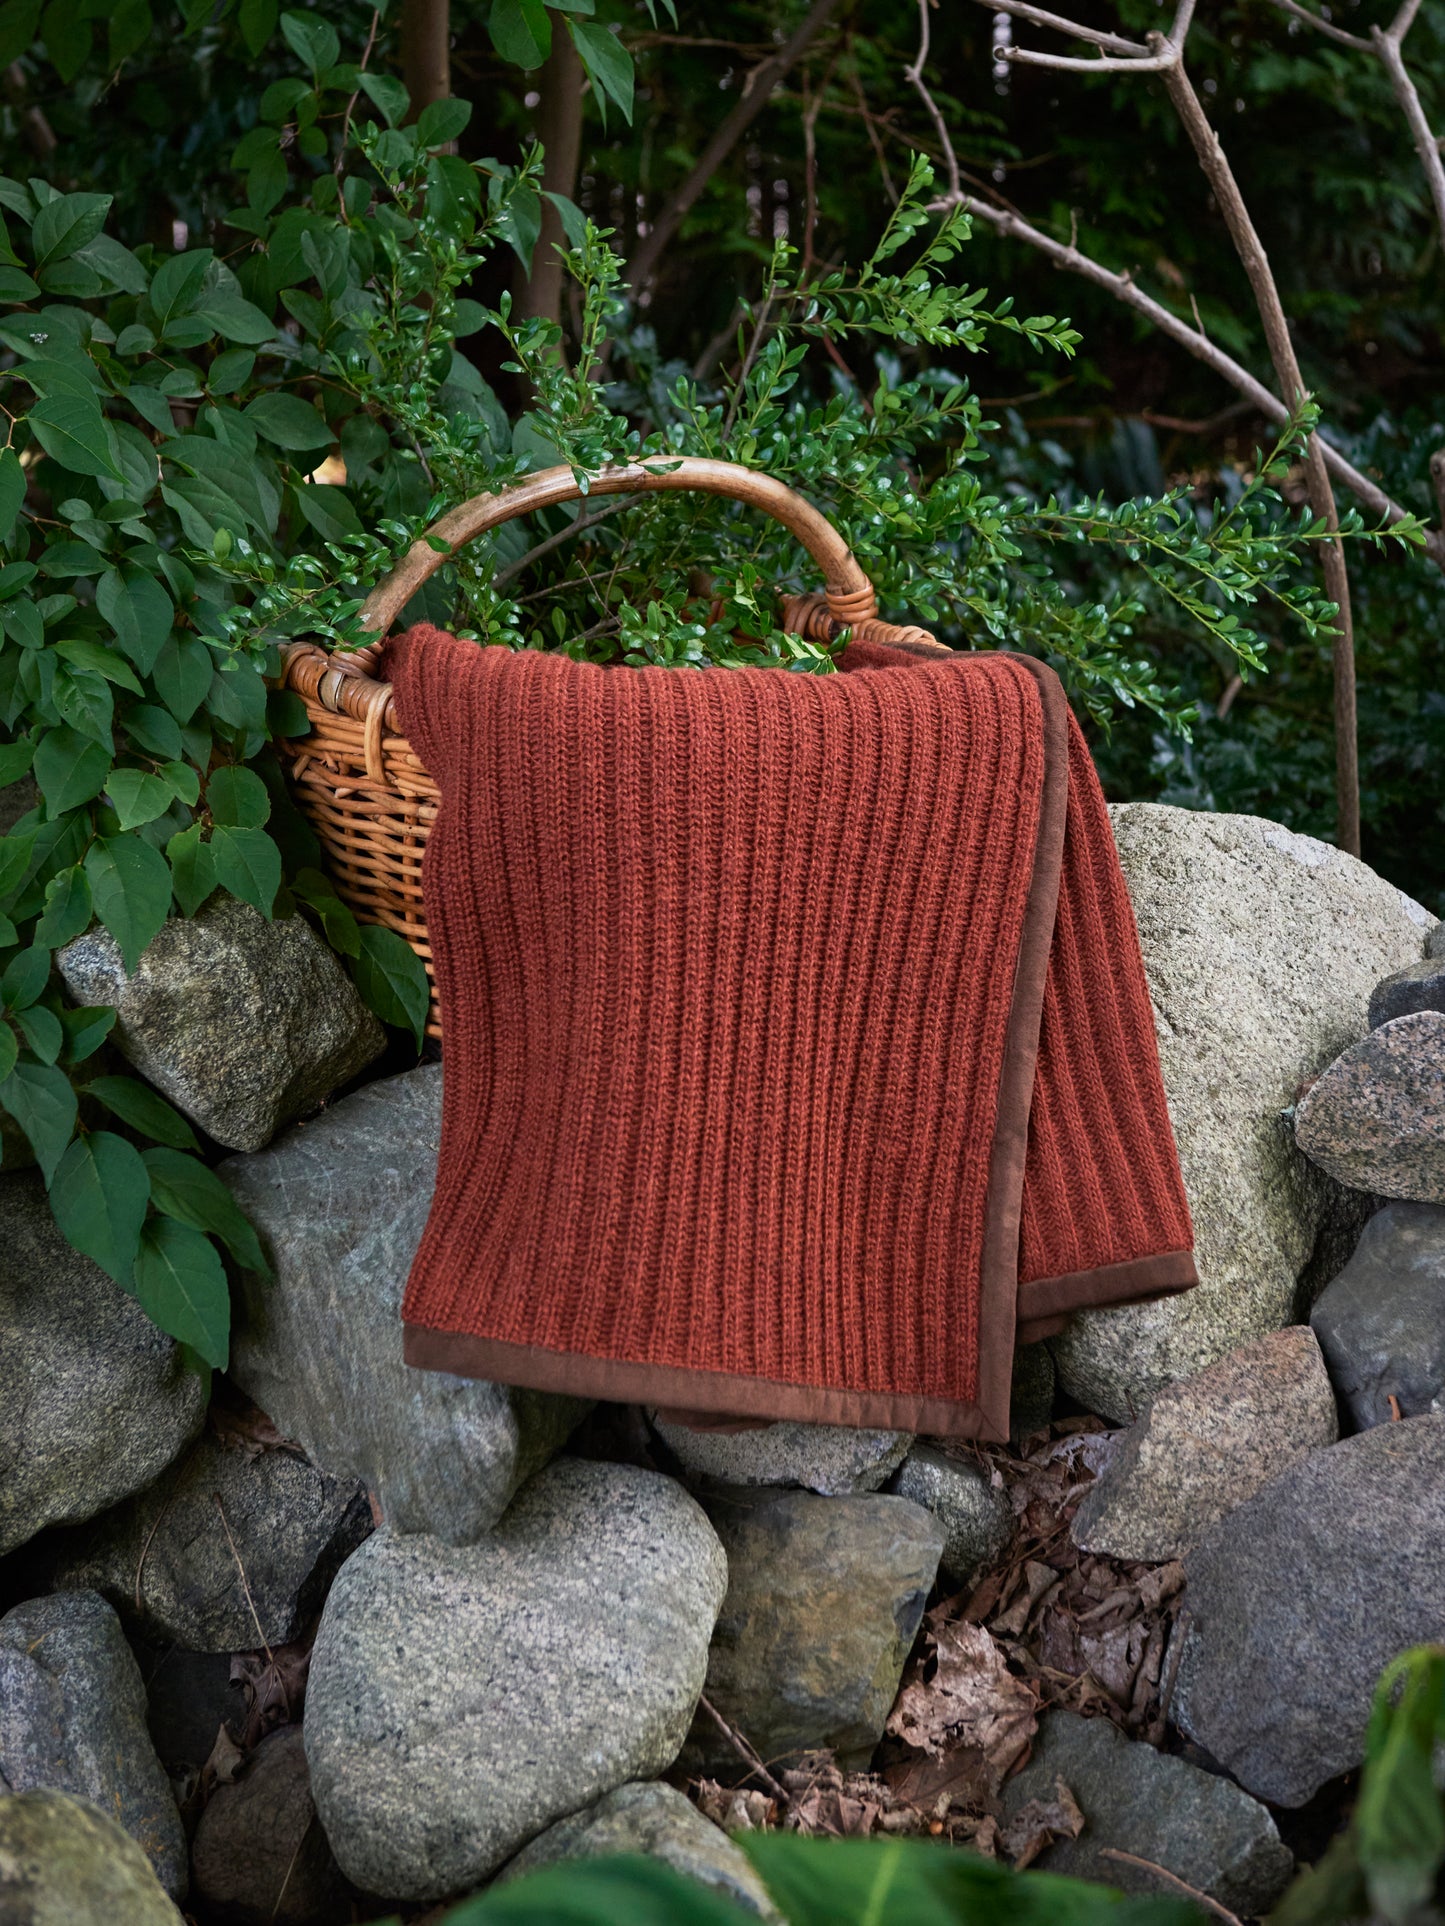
559 128
426 52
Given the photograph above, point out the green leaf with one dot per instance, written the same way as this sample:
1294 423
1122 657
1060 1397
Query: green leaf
181 1284
25 978
237 798
137 607
143 1109
69 769
230 371
1399 1821
19 21
257 19
289 422
151 727
85 701
43 1104
67 908
193 873
387 94
176 285
182 674
440 123
138 796
131 885
15 760
67 224
234 318
99 1195
248 864
189 1192
521 32
85 1031
311 40
100 661
12 490
9 1051
328 510
42 1031
343 932
608 63
392 979
75 434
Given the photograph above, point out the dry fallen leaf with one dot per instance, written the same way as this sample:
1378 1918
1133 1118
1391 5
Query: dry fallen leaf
1037 1824
971 1700
275 1686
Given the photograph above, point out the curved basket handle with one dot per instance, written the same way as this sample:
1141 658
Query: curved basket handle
849 594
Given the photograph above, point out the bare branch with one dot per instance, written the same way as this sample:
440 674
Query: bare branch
1402 22
1326 27
1387 46
1013 227
914 75
1103 64
1115 43
756 94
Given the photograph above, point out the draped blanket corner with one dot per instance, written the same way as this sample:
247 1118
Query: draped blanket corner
799 1055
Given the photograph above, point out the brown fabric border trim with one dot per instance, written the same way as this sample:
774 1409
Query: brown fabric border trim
680 1390
1046 1304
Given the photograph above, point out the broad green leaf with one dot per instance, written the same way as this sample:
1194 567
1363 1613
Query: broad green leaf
19 22
12 490
237 798
114 263
99 1195
230 371
69 769
67 908
85 1031
189 1192
289 422
25 978
521 31
15 760
234 318
85 701
149 726
75 434
67 224
42 1102
248 864
311 39
387 94
101 661
143 1109
137 607
176 285
626 1890
392 979
42 1031
608 63
130 883
138 796
181 1284
343 932
440 123
257 19
1399 1822
328 510
182 674
9 1051
193 873
185 782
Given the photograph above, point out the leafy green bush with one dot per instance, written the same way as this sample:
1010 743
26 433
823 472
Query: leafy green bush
172 510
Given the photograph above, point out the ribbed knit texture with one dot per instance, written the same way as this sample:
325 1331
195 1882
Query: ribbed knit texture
726 964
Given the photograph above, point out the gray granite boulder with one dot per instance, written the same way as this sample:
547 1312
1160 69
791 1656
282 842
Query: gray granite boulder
1261 948
1381 1323
1135 1800
1375 1119
976 1516
73 1719
660 1821
243 1023
827 1458
1419 986
462 1699
824 1599
165 1560
95 1402
1206 1444
65 1863
259 1855
1301 1597
339 1204
1435 941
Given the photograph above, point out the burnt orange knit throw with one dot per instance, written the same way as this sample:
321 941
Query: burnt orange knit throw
798 1054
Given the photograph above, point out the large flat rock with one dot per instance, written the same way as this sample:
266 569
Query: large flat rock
1381 1323
340 1204
463 1698
1262 948
1300 1598
1375 1119
64 1862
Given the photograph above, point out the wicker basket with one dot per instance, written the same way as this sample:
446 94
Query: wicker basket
358 780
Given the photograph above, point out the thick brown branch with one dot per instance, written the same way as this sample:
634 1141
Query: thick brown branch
1387 46
559 128
426 51
756 94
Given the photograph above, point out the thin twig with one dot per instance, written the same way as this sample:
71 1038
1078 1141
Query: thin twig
160 1519
579 527
1327 27
1022 10
350 109
291 1864
1173 1879
745 1752
914 76
245 1583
